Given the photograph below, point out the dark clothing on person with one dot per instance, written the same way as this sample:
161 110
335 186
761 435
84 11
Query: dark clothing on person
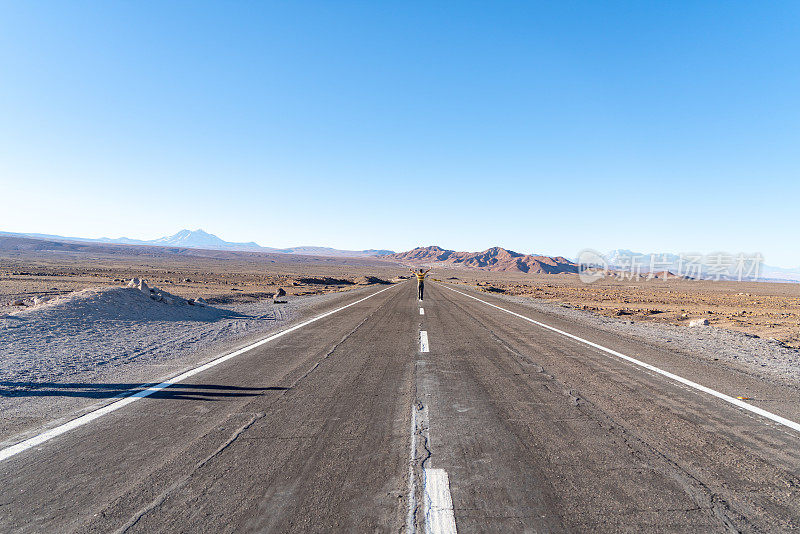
420 280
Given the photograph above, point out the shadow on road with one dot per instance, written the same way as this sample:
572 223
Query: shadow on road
181 391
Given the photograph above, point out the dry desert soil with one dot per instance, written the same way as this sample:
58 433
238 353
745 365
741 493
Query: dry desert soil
228 278
764 309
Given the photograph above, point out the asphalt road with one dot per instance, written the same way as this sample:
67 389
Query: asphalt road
487 422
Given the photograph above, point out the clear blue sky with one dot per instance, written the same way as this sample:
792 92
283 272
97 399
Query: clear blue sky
541 127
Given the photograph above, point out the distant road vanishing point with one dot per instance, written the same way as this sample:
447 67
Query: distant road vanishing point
464 412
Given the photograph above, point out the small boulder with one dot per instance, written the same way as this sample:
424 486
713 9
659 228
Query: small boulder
140 284
280 293
200 301
699 322
17 302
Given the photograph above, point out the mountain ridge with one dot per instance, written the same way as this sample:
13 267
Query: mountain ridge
497 259
200 239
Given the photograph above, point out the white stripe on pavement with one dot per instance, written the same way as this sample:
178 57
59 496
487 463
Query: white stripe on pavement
412 494
727 398
439 518
422 311
423 341
8 452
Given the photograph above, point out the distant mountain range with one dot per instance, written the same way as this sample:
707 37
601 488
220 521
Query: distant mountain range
667 264
203 240
492 259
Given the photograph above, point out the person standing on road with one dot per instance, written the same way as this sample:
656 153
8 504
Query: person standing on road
420 280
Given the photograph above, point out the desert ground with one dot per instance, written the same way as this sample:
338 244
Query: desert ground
764 309
232 278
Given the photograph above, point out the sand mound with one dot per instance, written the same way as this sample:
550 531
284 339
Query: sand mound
100 334
116 303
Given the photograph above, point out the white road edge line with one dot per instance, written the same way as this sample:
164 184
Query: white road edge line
422 311
439 518
727 398
423 341
34 441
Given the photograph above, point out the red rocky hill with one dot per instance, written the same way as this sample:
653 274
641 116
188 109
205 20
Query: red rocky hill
493 259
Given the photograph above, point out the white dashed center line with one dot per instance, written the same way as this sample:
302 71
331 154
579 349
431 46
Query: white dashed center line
423 341
437 501
439 516
412 500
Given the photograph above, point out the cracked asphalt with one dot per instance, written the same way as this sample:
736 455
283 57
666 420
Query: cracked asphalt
538 433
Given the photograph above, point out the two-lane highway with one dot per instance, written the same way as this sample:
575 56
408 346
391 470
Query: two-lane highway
392 415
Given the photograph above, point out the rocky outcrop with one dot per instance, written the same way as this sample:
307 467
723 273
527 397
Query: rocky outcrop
159 295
